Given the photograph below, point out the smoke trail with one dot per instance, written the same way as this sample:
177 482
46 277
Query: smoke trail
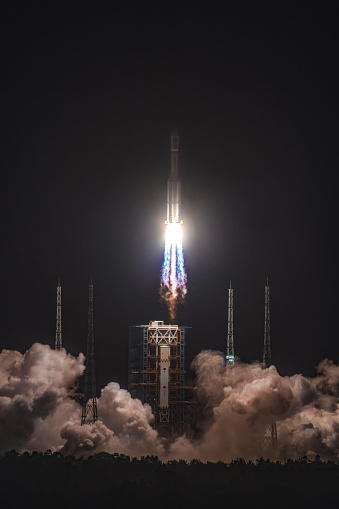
173 277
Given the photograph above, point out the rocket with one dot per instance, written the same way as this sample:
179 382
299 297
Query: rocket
173 183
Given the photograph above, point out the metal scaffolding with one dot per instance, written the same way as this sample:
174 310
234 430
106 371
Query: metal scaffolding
271 437
58 338
267 329
89 405
157 374
230 337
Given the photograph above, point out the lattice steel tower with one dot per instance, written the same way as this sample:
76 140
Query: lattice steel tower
271 437
267 329
58 339
89 405
230 338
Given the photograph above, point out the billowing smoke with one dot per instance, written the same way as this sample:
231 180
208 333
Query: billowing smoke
124 427
38 412
234 407
35 397
242 401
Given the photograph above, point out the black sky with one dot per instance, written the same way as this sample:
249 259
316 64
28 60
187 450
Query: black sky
89 99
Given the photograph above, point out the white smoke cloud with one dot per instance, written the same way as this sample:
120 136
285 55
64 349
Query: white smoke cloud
35 390
37 411
236 405
130 420
87 439
124 427
245 399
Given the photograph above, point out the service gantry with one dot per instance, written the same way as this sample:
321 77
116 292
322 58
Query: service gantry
89 405
271 437
230 338
58 338
156 374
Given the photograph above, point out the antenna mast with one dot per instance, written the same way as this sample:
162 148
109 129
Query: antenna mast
230 338
58 339
89 406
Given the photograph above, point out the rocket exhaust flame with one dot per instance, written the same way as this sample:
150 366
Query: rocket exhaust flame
173 276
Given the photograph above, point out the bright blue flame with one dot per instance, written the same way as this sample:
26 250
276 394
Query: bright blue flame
173 275
181 275
166 265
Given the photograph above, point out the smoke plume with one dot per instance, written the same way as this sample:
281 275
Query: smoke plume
35 397
234 406
37 411
242 401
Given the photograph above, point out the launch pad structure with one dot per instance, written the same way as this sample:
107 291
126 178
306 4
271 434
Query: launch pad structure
156 373
271 436
89 413
58 336
230 329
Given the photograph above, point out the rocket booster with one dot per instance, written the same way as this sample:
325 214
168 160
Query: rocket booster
173 183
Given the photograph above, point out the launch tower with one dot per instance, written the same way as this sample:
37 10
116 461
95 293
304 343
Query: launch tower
89 405
271 437
157 373
230 338
58 338
267 329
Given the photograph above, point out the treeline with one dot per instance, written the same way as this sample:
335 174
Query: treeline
34 480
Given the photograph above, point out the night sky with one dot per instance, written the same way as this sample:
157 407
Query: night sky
88 100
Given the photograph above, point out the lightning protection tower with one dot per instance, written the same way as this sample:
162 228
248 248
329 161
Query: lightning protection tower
58 339
271 437
89 405
230 338
267 329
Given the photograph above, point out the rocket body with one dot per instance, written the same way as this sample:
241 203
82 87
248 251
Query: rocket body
173 274
174 184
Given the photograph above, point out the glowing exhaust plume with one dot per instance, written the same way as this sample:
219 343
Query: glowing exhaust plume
173 277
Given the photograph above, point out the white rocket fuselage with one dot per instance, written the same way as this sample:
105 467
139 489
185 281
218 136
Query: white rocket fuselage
173 183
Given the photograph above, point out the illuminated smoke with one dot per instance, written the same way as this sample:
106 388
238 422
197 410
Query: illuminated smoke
39 411
36 390
239 403
173 276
